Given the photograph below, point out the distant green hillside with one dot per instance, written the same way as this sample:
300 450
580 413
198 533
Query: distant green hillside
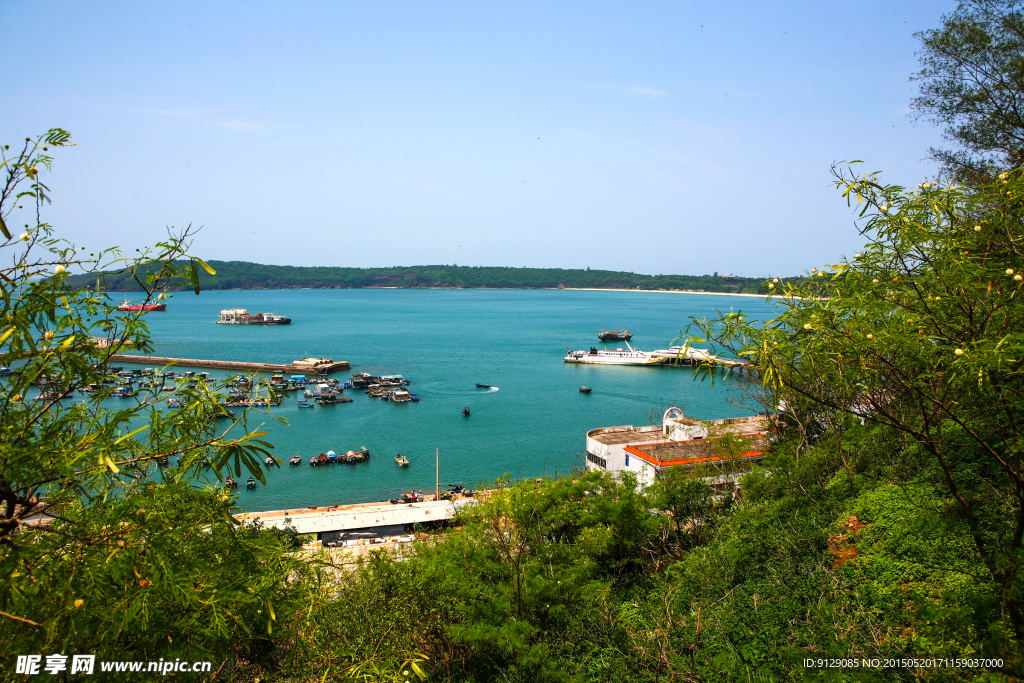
243 275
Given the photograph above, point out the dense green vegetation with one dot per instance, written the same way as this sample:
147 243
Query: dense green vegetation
885 524
971 82
242 275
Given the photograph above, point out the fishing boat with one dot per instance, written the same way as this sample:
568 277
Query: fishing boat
250 483
125 306
615 335
269 460
616 357
465 411
483 386
322 459
313 460
306 404
332 456
364 452
296 460
230 483
402 460
585 390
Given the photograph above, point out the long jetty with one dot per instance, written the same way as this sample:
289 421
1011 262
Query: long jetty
691 356
297 368
361 516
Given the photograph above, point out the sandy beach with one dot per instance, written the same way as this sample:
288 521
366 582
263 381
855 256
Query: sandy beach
657 291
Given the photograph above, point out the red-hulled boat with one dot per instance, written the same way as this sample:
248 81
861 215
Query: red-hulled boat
125 306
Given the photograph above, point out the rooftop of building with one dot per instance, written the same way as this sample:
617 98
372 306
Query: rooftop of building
697 451
615 436
738 425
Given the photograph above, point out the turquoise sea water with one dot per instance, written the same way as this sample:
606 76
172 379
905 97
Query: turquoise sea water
445 341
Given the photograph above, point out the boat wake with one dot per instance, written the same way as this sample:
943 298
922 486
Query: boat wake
491 390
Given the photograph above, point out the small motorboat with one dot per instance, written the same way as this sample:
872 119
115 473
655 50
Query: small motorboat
364 453
585 390
402 460
465 411
332 456
250 483
322 459
483 386
351 457
313 460
306 404
296 460
269 460
230 483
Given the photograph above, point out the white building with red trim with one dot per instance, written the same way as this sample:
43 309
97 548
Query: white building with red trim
725 447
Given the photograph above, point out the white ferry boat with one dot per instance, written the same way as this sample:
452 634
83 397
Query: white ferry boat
616 357
240 316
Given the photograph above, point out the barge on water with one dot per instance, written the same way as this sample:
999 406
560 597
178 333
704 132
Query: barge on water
240 316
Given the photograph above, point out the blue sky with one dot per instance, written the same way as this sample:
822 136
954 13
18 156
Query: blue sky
647 137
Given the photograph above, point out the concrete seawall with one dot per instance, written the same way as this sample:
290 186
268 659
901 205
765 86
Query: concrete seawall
231 365
362 516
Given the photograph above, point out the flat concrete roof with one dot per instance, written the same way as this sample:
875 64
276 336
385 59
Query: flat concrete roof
621 435
616 436
696 451
741 425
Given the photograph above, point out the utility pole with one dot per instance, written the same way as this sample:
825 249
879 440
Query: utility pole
437 474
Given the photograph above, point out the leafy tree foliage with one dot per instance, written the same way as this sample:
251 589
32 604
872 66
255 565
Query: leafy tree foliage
111 541
923 335
972 82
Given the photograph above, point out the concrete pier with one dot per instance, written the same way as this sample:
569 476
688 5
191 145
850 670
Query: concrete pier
361 516
690 356
296 368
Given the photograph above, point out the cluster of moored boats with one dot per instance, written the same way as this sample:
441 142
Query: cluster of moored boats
451 492
119 383
331 458
386 387
328 391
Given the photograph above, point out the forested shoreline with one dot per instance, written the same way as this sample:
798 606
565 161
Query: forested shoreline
881 538
245 275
